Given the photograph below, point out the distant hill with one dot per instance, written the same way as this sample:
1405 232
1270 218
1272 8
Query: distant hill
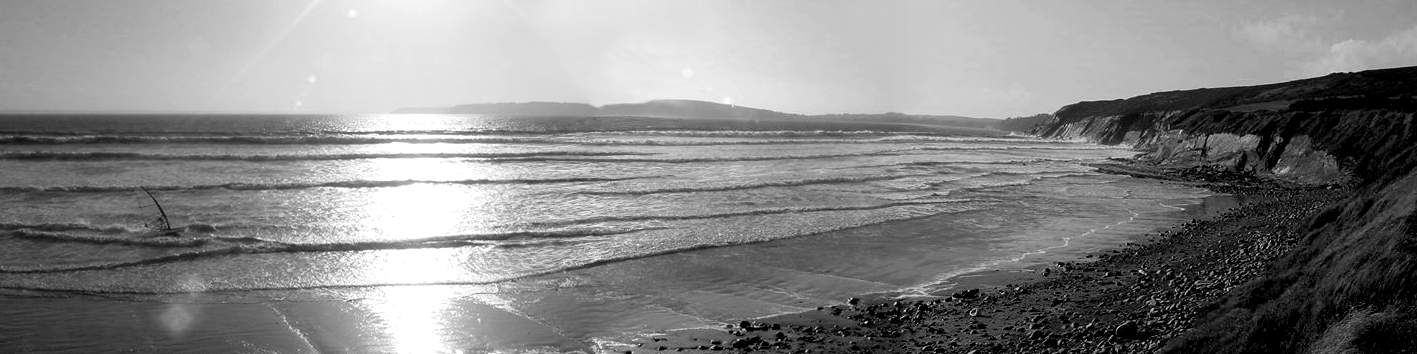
894 117
693 109
511 109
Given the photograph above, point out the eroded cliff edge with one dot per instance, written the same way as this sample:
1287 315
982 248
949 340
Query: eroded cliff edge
1352 283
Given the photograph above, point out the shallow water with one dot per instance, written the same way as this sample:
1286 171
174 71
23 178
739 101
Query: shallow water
576 230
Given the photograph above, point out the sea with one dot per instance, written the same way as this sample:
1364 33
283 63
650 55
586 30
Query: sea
474 233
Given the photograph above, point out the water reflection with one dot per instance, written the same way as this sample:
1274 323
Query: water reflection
414 318
407 122
414 211
419 210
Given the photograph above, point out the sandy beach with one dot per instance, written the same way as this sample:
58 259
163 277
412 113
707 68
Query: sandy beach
1129 299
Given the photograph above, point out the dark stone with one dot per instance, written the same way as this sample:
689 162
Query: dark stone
742 343
1039 334
967 294
1127 329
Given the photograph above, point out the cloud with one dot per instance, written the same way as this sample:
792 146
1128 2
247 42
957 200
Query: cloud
1300 41
1396 49
1292 34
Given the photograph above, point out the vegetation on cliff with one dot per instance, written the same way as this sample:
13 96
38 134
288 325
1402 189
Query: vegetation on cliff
1395 82
1024 124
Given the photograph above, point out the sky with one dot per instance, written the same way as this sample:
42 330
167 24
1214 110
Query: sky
993 58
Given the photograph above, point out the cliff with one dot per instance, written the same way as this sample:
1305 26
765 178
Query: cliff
1351 286
1313 131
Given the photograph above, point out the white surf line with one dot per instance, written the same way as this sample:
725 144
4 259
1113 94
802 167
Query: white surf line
793 295
924 289
1170 206
704 323
298 333
1067 241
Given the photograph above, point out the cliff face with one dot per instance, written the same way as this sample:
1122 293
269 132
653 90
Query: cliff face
1305 147
1351 286
1313 131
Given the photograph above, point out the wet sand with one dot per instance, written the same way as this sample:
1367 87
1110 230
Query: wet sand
1130 299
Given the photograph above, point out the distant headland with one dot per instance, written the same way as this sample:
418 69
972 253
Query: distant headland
678 108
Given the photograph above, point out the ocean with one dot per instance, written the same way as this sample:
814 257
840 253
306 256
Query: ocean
413 233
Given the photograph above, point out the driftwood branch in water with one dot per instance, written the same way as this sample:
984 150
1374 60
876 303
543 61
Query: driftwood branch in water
166 225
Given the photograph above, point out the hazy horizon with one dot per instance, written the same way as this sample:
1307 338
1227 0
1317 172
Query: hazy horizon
237 112
995 59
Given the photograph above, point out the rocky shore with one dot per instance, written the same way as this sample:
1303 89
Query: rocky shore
1132 299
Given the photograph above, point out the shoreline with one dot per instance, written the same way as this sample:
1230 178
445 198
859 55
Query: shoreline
1125 299
379 323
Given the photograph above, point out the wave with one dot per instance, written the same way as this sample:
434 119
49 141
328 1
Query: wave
105 229
214 253
475 132
791 183
219 246
788 210
706 159
110 229
572 156
286 186
995 148
99 156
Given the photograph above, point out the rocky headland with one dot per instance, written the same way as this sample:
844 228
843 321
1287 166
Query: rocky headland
1321 257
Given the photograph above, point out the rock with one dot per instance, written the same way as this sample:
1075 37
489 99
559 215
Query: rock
853 301
1050 342
1039 334
967 294
742 343
1126 330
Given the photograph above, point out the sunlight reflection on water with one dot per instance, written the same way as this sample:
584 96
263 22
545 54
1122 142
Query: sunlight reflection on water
414 211
420 210
414 317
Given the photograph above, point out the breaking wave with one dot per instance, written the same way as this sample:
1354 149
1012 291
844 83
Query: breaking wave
196 247
285 186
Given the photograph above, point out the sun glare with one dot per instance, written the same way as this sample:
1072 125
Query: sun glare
413 317
414 211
